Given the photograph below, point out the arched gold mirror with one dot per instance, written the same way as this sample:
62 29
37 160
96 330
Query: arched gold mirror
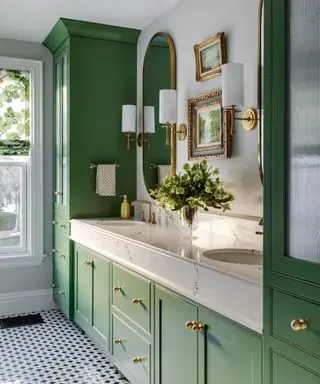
159 72
260 85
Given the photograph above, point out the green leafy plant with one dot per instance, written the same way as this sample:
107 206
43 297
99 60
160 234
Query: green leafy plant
199 186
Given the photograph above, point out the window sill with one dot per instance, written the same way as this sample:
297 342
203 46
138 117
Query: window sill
23 260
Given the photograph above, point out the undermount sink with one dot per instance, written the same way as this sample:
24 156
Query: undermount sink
120 223
235 256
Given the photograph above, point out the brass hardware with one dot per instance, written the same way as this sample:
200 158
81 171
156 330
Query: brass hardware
190 324
62 256
137 301
57 193
137 360
182 132
117 289
94 165
198 327
88 262
60 292
62 226
299 325
249 119
117 341
131 136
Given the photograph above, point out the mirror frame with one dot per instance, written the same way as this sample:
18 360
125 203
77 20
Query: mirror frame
173 83
259 90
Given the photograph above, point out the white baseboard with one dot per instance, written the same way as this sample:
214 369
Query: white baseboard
28 301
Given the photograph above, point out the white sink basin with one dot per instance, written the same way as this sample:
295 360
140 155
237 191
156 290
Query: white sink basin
119 223
235 256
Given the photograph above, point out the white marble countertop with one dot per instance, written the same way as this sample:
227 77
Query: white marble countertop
176 256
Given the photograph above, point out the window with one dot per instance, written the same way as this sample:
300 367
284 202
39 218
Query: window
21 177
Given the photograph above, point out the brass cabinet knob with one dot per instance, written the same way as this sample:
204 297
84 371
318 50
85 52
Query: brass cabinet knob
137 301
190 324
299 325
62 256
62 226
198 327
60 292
137 360
117 288
88 262
117 341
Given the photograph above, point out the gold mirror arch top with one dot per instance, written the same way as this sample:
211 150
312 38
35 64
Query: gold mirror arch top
166 41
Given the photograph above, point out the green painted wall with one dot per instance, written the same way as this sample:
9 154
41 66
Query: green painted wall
156 76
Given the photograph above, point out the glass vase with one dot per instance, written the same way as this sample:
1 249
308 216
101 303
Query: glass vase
189 218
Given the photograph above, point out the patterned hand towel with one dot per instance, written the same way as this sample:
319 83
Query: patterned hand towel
163 172
106 180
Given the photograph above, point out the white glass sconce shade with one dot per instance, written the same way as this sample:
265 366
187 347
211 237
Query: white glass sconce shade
149 120
232 85
168 106
128 118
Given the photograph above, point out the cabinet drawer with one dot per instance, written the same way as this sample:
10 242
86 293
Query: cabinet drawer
131 351
131 295
286 309
61 291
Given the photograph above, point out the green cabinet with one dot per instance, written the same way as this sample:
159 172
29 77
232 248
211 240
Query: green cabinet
291 192
94 75
92 294
196 346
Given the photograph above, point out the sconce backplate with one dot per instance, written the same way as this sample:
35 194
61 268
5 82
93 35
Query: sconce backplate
249 119
182 132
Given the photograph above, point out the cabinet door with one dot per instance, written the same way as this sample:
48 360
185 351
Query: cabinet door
176 347
101 298
61 68
83 286
292 137
227 353
286 371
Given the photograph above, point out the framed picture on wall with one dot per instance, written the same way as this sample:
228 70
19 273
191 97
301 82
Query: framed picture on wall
208 134
210 56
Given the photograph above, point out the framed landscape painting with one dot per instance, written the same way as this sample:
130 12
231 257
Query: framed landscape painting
210 56
209 135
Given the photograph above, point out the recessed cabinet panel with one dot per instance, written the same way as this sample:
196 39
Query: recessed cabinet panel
289 372
227 353
303 133
176 346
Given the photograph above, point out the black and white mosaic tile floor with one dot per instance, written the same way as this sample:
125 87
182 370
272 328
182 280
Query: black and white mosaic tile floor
55 352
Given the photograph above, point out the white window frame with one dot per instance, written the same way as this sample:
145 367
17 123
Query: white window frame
33 253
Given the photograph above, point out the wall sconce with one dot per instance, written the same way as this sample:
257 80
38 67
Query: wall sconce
168 114
149 126
233 97
129 123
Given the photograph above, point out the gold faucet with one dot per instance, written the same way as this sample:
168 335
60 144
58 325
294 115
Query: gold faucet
141 203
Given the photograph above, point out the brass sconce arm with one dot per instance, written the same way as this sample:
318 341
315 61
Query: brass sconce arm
249 118
172 128
130 137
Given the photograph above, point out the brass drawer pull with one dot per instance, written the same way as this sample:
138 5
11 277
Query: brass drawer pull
62 226
137 301
117 341
62 256
88 262
117 288
196 326
58 193
299 325
137 360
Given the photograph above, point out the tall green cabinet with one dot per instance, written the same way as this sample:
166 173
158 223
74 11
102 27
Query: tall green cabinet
94 75
292 185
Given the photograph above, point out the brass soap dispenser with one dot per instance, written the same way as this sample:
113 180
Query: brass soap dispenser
125 208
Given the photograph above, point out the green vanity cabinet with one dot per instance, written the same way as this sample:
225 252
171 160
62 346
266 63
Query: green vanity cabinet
92 294
194 345
94 74
291 192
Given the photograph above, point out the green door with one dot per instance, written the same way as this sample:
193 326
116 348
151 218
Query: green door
83 287
286 371
292 138
227 353
101 298
176 346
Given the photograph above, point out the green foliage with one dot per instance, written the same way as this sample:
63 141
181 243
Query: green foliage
198 186
14 124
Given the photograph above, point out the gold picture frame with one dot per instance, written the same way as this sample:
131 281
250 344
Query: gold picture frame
210 55
208 134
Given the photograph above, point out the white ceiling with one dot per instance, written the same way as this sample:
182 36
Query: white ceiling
31 20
